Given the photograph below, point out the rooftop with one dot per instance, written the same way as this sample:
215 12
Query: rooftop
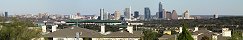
71 33
121 34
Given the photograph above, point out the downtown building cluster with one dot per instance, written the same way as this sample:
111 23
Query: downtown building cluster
127 14
5 14
162 14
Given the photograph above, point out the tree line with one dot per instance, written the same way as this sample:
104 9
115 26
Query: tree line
16 29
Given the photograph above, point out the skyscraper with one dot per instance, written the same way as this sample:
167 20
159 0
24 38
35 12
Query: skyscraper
164 15
157 14
6 14
168 15
174 15
105 15
102 14
147 14
136 14
186 15
161 11
215 15
110 16
127 13
117 15
78 14
1 14
40 15
160 7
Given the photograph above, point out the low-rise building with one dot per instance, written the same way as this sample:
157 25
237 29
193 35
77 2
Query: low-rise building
74 33
167 32
168 37
198 33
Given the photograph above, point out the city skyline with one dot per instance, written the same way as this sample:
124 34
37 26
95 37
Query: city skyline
91 7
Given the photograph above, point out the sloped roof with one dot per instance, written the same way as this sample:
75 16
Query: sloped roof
202 30
167 36
139 33
208 34
122 34
71 33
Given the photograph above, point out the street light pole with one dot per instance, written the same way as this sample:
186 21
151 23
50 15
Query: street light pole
77 22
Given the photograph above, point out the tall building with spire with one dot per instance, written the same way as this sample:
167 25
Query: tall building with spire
147 14
174 15
127 13
102 11
160 7
161 11
186 14
117 15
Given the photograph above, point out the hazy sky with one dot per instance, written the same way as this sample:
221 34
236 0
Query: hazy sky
90 7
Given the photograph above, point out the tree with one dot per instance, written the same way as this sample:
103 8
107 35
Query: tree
185 35
205 38
18 30
150 35
236 35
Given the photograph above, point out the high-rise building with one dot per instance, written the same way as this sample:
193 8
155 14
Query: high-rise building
157 14
1 14
174 15
164 14
110 16
132 15
127 13
168 15
40 15
161 11
215 15
117 15
102 14
147 14
105 15
186 15
136 14
6 14
160 7
78 14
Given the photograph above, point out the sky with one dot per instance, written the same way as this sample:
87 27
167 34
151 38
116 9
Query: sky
91 7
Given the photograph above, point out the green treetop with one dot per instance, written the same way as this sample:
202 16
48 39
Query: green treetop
185 35
18 30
